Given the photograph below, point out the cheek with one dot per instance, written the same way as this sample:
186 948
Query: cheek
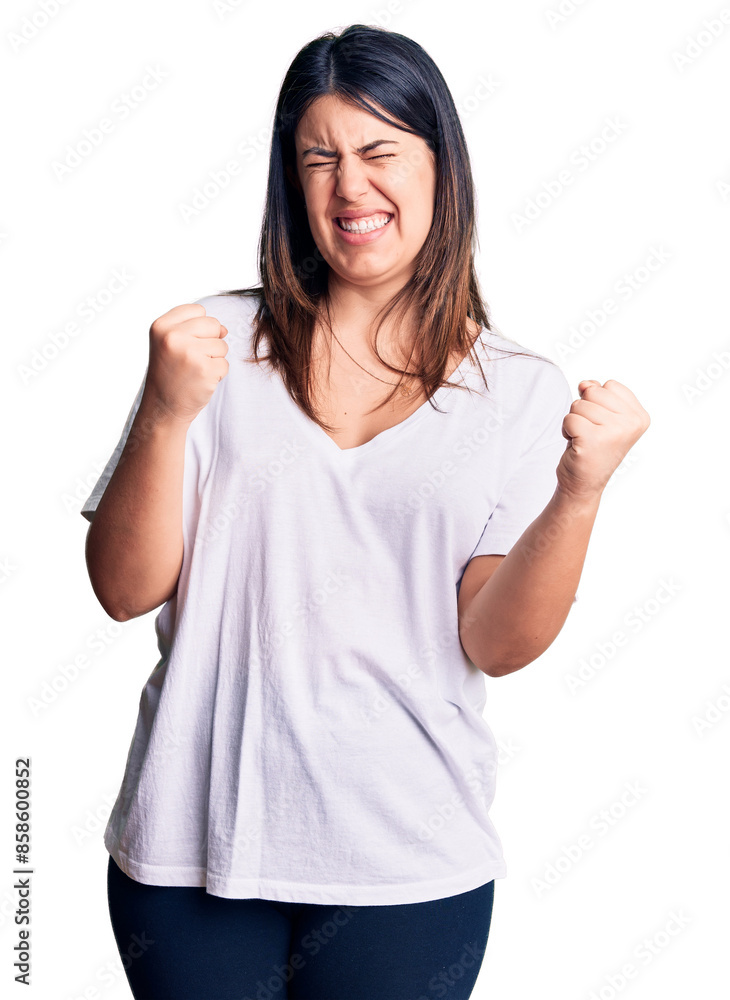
316 206
420 209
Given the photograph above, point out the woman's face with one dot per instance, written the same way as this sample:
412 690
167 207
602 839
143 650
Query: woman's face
338 175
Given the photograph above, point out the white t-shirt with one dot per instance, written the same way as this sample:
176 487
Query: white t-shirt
313 730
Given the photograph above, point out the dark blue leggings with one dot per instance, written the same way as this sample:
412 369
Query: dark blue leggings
183 943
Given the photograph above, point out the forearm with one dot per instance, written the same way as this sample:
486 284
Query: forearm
134 546
522 607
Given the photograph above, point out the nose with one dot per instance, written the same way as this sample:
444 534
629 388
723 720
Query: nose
352 180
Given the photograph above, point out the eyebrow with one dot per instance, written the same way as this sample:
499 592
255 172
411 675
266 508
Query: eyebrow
319 151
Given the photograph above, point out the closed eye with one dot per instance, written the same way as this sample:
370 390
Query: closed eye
323 163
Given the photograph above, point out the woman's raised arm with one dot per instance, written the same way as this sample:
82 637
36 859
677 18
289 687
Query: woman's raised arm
134 545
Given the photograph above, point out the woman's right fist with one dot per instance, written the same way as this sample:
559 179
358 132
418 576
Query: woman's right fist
187 360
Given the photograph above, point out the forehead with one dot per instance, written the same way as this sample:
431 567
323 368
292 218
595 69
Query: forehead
329 117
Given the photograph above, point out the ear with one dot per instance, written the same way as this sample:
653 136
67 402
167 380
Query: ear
294 178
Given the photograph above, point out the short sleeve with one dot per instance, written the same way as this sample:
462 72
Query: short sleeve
531 483
91 503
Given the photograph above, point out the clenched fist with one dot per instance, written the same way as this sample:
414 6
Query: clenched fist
601 427
187 360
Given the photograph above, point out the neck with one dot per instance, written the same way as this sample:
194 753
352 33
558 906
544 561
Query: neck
354 310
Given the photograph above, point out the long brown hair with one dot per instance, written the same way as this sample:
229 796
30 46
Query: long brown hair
364 64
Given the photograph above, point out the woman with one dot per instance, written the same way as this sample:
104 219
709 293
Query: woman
345 543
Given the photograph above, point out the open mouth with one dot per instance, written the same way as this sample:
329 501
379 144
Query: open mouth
367 225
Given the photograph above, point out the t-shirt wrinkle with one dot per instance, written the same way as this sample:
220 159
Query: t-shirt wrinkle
313 730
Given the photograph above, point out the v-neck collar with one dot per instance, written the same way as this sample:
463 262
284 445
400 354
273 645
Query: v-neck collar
318 434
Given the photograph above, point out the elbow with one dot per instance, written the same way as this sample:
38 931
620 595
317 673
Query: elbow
118 615
498 662
489 667
121 612
124 612
105 584
501 667
493 669
113 610
110 606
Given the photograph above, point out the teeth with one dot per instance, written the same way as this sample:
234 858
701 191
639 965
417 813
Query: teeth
364 225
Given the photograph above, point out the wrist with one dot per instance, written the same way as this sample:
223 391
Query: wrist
155 424
575 502
154 413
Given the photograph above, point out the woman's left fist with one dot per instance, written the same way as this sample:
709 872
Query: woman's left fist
601 427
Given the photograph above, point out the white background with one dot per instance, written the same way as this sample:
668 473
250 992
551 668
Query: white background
654 568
